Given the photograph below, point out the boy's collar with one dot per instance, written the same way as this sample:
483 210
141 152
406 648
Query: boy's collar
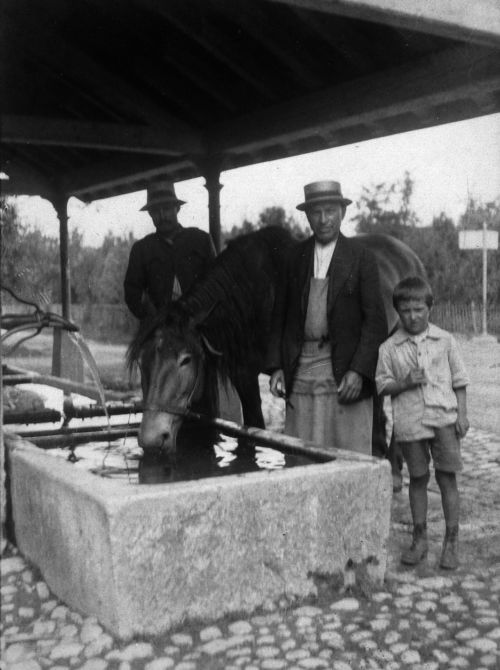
432 332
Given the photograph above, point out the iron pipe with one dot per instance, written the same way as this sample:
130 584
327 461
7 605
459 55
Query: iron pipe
81 430
68 440
32 416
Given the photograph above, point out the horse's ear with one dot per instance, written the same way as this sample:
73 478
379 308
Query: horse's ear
203 315
209 347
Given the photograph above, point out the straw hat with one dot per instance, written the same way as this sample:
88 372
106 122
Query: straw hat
322 191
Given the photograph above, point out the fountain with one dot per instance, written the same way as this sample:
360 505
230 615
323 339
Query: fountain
145 558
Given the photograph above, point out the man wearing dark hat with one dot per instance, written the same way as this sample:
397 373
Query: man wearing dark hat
164 264
328 323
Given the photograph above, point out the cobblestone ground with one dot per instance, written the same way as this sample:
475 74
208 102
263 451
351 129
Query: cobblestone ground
420 619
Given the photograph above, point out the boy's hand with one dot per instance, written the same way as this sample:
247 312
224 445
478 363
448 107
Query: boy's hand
415 377
462 425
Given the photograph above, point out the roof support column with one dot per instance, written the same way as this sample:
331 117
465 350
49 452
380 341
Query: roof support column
211 172
66 360
61 206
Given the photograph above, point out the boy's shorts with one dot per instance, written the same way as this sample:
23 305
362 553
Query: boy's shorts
445 450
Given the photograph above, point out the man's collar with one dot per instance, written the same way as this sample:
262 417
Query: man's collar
171 239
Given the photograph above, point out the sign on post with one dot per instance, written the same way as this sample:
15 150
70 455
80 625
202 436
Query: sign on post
473 239
480 239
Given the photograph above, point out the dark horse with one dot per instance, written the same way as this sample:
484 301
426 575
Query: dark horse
221 327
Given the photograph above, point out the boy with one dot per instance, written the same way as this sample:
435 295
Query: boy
420 367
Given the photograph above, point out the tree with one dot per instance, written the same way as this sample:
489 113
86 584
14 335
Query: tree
29 258
455 275
386 208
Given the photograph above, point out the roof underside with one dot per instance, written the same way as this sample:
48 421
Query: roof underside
99 97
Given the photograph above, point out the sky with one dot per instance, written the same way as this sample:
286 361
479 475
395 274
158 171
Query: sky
448 164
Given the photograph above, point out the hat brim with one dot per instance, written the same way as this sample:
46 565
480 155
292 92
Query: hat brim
327 198
166 201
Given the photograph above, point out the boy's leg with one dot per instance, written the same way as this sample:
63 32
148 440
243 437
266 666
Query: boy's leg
447 461
416 455
447 482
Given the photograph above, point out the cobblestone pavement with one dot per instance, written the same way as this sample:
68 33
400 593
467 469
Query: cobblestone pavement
420 619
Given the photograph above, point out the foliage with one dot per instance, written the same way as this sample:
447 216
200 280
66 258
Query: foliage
30 264
29 259
455 275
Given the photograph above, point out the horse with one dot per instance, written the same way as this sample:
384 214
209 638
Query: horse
220 327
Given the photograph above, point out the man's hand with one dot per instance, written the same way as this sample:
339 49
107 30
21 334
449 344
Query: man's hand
350 386
277 384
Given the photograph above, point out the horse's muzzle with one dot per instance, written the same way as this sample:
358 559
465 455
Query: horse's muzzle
158 432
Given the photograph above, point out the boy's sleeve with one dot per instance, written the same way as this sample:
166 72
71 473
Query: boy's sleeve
385 373
459 376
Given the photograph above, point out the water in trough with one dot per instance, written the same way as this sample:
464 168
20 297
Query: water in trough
123 459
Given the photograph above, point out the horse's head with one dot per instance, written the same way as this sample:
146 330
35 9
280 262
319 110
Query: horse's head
172 357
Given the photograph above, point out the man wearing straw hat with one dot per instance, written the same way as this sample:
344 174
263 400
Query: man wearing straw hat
328 323
164 264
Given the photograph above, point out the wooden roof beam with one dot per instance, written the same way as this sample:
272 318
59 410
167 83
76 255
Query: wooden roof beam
103 177
41 39
183 18
455 75
116 137
477 21
343 42
24 179
281 44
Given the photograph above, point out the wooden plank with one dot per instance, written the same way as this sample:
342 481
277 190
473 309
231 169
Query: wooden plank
102 136
476 21
456 75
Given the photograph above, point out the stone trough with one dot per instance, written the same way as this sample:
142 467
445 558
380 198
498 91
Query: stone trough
143 559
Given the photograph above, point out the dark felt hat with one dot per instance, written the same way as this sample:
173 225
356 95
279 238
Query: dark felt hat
322 191
161 193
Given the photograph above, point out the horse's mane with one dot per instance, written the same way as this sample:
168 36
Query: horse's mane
234 300
230 306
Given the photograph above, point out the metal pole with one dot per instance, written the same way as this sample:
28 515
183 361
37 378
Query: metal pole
485 279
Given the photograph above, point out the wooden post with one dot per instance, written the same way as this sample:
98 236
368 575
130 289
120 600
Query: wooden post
66 359
485 281
211 172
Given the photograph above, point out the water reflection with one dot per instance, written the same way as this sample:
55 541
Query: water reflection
123 460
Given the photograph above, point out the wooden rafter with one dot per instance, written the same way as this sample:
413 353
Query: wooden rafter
459 74
118 137
221 46
477 21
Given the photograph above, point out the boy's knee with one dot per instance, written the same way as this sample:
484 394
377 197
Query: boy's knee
445 477
420 481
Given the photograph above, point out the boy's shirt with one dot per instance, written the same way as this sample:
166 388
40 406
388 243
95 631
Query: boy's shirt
418 410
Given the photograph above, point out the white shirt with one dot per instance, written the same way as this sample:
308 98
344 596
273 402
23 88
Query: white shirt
322 257
434 404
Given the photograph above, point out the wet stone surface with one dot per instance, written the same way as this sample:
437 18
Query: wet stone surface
422 619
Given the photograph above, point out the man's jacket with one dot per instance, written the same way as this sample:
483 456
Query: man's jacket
356 316
154 263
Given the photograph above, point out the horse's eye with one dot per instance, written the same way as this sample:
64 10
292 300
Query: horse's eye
185 360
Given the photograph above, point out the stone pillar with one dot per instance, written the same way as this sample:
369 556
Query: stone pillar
66 359
211 172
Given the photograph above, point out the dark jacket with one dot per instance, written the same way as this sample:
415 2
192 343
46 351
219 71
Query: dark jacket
154 262
356 315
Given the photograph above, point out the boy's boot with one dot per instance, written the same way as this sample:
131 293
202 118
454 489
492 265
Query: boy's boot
449 555
418 549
